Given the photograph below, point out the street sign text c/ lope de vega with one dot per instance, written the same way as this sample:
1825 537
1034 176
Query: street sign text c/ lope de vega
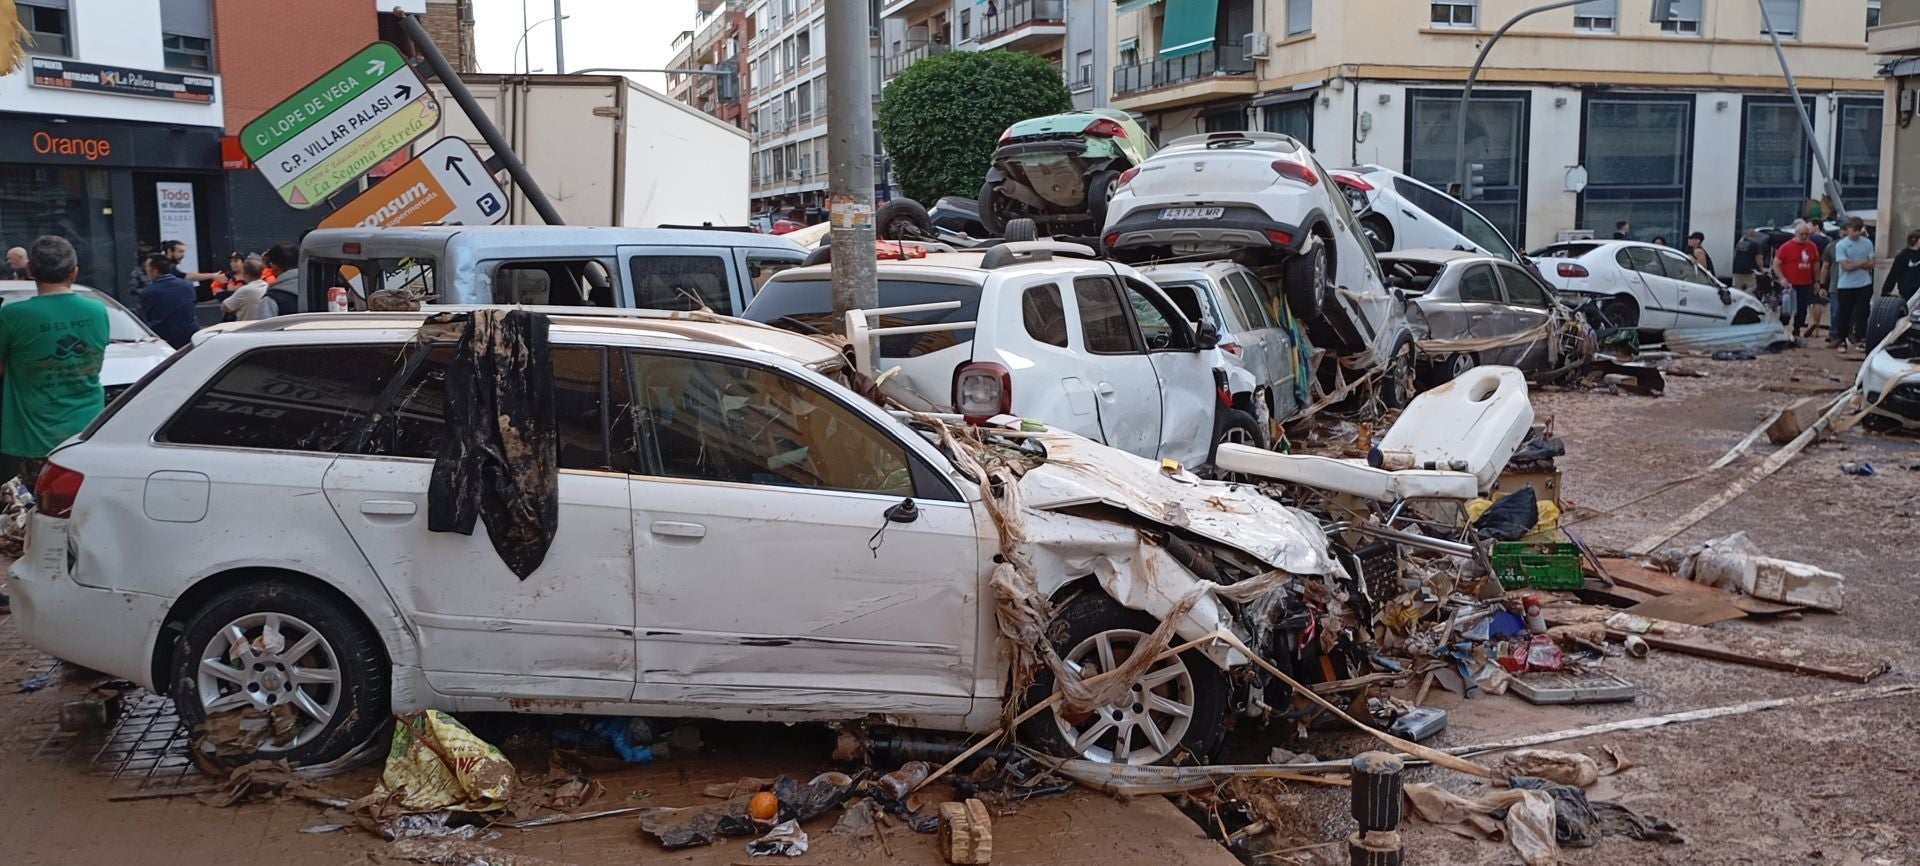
341 124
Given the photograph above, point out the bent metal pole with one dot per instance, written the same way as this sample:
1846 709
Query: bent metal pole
850 157
445 72
1466 95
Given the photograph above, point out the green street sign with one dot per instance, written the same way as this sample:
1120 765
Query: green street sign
361 73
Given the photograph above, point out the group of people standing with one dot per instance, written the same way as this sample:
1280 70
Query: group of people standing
1804 274
255 286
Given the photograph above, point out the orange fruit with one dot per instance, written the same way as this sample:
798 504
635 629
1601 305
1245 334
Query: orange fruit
763 806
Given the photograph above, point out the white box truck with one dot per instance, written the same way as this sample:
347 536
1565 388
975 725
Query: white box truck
609 152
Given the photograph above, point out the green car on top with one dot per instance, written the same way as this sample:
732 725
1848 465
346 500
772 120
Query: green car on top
1061 169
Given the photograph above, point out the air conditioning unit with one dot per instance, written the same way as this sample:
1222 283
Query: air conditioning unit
796 174
1258 45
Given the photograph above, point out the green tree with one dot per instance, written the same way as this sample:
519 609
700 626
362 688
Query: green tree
941 118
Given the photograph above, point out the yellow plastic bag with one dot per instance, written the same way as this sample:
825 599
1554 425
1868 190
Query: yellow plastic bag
436 763
1545 531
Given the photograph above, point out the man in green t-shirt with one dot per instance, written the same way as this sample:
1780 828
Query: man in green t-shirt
51 348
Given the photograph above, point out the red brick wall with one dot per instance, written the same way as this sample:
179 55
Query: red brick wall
267 50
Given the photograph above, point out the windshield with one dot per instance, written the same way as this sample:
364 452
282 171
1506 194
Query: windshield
122 326
807 306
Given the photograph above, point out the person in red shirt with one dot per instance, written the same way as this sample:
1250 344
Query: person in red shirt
1796 262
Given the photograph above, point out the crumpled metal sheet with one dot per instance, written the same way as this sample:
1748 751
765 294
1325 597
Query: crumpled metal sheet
1751 338
1080 472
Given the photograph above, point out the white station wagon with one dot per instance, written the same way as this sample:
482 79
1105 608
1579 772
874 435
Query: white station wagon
245 530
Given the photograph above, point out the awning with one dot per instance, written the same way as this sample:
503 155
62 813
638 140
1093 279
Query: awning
1132 5
1131 43
1901 68
1189 27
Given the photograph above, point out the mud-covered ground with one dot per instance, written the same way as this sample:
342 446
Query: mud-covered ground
1818 784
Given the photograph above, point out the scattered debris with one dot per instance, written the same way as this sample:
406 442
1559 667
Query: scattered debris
786 838
966 833
701 825
1861 468
35 683
436 764
1566 768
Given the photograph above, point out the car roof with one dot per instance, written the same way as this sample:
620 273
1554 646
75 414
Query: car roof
1273 142
1189 270
514 235
961 266
667 326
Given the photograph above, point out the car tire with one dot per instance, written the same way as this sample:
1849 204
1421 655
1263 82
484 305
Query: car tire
1458 365
1622 311
991 218
1398 385
320 639
1021 229
1101 186
1236 426
1379 231
1307 280
903 219
1883 317
1191 681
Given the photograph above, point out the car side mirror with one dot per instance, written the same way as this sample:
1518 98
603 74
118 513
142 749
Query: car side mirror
1206 335
1400 294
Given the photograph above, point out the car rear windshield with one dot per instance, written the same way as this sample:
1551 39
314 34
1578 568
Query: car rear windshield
807 306
1564 251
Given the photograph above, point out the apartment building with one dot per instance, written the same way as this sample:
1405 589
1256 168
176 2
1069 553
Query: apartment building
1075 35
1582 116
1895 40
719 40
786 73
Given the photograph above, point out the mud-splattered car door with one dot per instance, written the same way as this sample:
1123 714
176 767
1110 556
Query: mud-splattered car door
792 550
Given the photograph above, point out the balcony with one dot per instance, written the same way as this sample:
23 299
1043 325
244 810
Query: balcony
898 63
1024 24
1078 80
906 8
1199 77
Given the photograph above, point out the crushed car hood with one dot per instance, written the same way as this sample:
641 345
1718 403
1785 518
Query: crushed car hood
1080 473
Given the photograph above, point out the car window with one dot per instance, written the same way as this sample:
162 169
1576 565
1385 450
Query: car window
1191 299
1104 324
807 306
1522 288
563 283
1162 324
763 264
1639 259
681 283
1676 265
291 398
416 423
716 421
1485 236
1478 285
1449 211
1253 310
1044 315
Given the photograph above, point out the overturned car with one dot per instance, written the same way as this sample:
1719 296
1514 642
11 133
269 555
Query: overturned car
1889 379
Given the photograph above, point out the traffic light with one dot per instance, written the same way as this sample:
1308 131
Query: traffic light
1476 180
729 84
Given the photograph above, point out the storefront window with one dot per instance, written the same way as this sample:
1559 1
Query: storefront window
1638 164
73 203
1776 166
1291 118
1857 157
1496 139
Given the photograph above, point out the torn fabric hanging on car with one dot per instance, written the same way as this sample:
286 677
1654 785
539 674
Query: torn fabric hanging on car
500 462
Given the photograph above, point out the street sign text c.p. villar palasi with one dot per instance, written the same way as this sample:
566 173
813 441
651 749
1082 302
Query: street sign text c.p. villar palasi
343 123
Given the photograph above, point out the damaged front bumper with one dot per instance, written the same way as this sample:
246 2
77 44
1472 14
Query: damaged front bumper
1890 378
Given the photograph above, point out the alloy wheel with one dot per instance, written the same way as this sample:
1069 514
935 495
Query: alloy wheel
267 660
1146 726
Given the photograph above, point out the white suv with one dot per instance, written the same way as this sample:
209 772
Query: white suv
740 536
1042 330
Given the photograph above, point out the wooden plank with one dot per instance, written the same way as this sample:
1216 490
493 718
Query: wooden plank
1744 444
1796 418
1633 575
1691 608
1766 652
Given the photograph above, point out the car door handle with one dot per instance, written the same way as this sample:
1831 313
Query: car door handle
677 529
388 508
1104 389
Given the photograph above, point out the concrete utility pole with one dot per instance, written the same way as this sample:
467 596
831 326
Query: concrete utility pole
850 158
559 40
1464 186
1806 123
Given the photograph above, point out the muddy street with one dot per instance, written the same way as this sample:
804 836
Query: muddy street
1804 784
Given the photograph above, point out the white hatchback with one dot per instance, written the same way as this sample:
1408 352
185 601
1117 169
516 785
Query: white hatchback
132 347
740 536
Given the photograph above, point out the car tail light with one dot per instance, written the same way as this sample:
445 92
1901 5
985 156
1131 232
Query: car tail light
55 490
1233 349
1569 269
1221 388
1006 135
1105 127
1278 237
981 391
1353 181
1111 239
1126 177
1291 170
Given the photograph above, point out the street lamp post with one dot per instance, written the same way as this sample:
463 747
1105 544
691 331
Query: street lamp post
1466 94
1806 123
517 46
559 40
